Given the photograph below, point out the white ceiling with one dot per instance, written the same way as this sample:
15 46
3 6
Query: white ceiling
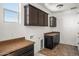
52 6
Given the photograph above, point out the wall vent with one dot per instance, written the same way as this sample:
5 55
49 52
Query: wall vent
41 44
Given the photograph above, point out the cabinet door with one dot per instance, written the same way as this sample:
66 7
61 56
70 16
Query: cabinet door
55 40
41 18
33 15
54 21
48 42
45 19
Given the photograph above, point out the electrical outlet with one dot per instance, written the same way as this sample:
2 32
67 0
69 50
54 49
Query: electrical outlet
78 43
31 36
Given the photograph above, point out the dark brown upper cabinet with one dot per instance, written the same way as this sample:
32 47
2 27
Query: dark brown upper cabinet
41 18
30 15
53 21
45 19
34 16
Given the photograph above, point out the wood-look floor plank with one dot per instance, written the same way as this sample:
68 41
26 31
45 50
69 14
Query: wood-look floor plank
61 50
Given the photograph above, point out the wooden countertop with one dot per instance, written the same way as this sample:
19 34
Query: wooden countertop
9 46
51 33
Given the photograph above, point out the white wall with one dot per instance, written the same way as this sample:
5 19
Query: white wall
1 15
68 26
9 30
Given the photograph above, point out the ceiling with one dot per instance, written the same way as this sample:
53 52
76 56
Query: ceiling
55 7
